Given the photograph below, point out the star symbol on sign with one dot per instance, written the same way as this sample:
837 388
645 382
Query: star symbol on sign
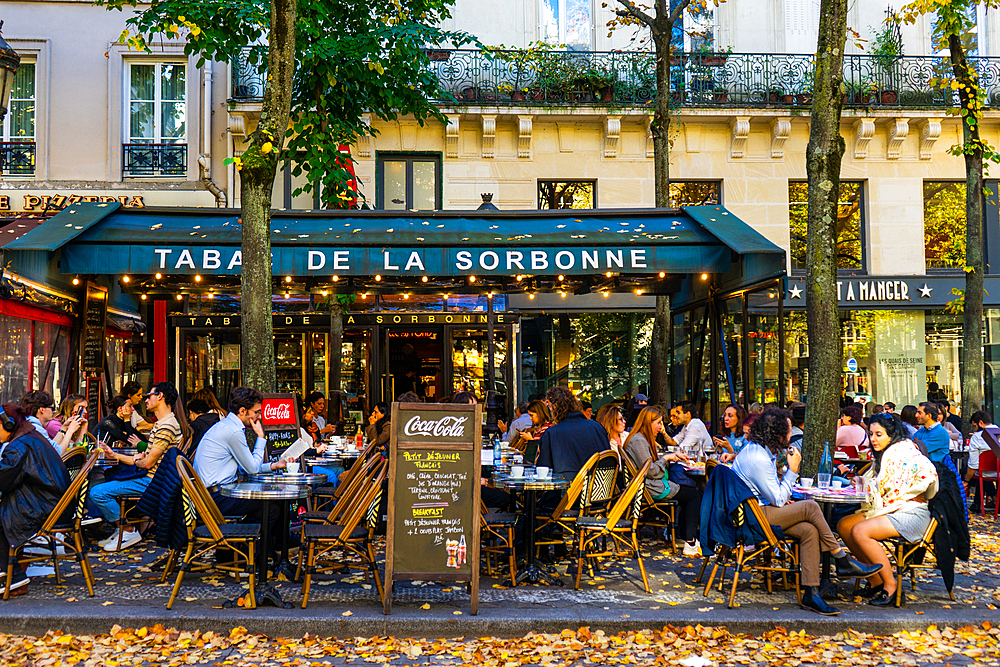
795 292
925 291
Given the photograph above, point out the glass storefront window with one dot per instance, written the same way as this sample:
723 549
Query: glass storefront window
320 362
212 360
290 363
944 224
729 365
355 361
470 361
850 249
681 357
762 339
567 194
943 335
695 193
421 302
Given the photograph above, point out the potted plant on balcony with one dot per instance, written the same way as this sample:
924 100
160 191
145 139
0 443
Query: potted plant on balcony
887 52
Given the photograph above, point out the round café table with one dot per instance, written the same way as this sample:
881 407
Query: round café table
268 492
827 498
530 485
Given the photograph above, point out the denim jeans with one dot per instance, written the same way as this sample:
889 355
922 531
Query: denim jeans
332 473
104 495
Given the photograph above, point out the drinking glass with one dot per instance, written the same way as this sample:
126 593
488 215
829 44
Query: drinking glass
823 480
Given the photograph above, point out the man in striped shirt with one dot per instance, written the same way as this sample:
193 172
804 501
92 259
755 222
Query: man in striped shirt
166 433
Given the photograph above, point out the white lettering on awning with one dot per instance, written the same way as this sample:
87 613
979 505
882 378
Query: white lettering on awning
340 258
463 260
616 257
163 252
317 260
515 257
388 266
489 254
185 259
638 259
414 261
539 260
565 254
210 259
237 260
590 261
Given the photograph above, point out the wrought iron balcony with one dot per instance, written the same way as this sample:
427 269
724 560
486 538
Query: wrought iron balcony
628 78
154 160
17 158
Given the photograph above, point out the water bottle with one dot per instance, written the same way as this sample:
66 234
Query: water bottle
825 471
497 452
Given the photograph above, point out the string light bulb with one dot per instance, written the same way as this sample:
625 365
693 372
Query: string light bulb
325 293
519 277
663 274
423 279
336 279
288 279
406 295
638 292
562 294
606 294
143 297
364 295
704 276
562 278
180 297
608 274
288 295
125 279
531 296
197 279
76 280
378 278
159 276
472 279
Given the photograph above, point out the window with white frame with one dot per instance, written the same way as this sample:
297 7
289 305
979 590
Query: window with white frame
17 141
156 126
567 22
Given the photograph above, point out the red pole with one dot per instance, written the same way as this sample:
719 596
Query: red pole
160 341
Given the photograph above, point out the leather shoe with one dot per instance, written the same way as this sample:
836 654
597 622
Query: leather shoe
850 568
815 603
870 591
883 599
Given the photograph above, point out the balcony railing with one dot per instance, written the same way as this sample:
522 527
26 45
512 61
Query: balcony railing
628 78
17 158
154 160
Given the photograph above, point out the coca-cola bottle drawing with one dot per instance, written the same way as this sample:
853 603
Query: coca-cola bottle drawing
461 552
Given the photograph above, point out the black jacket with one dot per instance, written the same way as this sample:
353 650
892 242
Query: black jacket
568 445
951 539
115 429
32 480
162 502
199 427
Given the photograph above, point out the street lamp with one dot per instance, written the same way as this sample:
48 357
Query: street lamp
9 62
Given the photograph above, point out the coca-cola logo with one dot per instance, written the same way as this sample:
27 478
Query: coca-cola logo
446 427
277 412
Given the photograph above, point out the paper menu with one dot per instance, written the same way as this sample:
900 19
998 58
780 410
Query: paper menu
295 450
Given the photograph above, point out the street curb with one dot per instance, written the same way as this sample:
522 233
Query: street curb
367 622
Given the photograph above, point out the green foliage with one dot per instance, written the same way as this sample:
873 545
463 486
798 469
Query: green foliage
848 230
352 58
944 224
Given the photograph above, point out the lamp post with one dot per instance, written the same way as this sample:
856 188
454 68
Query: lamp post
9 62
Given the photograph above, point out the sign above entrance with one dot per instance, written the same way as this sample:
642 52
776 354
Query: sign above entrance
890 292
285 320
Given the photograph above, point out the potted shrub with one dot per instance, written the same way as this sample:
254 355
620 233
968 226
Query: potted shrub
887 52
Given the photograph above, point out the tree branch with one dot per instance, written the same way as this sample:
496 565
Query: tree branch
678 10
632 11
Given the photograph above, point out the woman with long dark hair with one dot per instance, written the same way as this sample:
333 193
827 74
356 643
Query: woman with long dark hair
640 446
898 485
541 421
731 438
908 415
378 430
32 480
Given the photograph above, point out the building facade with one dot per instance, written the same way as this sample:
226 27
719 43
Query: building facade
567 126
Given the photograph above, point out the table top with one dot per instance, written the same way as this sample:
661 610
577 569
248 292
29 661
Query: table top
289 478
531 483
845 496
265 491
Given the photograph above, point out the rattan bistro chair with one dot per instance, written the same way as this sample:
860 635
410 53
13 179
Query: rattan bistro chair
497 540
770 556
60 532
656 514
621 525
215 533
908 557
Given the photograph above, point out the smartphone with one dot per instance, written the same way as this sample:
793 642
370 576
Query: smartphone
79 410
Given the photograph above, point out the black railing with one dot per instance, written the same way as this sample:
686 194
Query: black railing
17 158
628 78
153 160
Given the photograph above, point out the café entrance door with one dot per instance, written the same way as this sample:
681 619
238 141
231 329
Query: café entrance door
413 361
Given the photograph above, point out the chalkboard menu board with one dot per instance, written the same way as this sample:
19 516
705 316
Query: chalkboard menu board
95 316
279 417
94 414
433 528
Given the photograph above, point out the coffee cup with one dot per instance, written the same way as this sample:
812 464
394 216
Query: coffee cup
836 484
542 471
806 482
517 471
293 467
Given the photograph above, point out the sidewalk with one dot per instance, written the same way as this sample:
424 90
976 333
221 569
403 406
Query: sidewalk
128 593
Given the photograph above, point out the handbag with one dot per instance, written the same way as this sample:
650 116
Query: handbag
677 475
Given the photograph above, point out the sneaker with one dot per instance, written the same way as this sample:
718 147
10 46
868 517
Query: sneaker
19 580
110 539
90 520
128 539
692 550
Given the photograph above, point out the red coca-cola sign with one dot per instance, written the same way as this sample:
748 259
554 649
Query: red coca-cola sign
278 411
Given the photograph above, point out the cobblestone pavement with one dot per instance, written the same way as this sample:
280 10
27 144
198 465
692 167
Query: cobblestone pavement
132 578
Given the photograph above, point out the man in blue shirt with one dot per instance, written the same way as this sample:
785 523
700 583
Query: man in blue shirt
933 436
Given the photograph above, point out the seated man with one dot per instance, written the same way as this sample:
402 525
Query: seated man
693 438
977 445
756 465
166 433
223 451
117 426
567 446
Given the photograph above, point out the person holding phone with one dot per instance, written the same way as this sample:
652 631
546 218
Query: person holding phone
39 407
74 405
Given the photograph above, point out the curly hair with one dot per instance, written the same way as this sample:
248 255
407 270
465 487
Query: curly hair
563 402
770 430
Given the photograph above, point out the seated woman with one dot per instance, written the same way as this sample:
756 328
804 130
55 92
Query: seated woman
309 434
757 465
899 484
852 437
641 447
527 440
378 430
731 438
610 416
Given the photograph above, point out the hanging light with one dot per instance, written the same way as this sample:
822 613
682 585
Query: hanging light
406 295
336 279
606 294
325 293
125 279
76 280
288 295
531 296
562 294
562 278
472 279
423 279
638 292
519 277
180 297
197 279
608 274
704 276
663 274
378 278
159 276
364 295
143 297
